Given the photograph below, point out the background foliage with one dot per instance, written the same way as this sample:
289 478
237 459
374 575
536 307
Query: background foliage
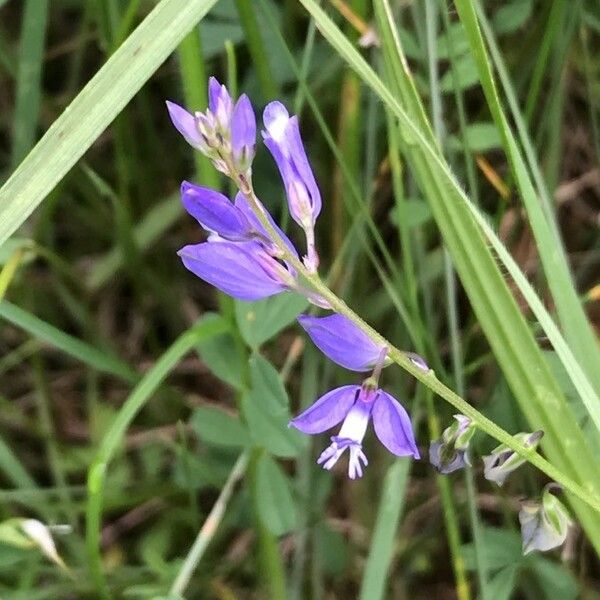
136 403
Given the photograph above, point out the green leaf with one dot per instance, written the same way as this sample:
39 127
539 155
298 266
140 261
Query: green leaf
265 408
260 321
466 74
29 78
460 44
502 584
224 357
480 137
512 16
413 212
79 350
215 426
95 107
502 548
276 506
556 581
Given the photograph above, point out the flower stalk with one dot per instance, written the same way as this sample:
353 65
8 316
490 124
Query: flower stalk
428 378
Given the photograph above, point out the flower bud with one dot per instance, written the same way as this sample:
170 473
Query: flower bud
544 526
450 453
503 460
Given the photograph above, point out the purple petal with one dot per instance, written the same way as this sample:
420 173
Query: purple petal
342 341
185 123
214 211
275 119
242 204
393 427
327 411
214 91
243 125
232 268
282 138
301 164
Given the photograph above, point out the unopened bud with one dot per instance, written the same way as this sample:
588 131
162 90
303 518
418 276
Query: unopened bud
503 460
450 453
544 525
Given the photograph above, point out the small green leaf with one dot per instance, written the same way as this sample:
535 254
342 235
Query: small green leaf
215 426
454 38
224 358
502 584
481 137
266 383
512 16
414 213
276 506
260 321
265 408
466 73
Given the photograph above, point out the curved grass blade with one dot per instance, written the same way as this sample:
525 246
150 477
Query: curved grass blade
530 378
573 320
101 361
111 441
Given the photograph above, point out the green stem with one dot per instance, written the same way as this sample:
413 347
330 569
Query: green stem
429 378
257 49
209 528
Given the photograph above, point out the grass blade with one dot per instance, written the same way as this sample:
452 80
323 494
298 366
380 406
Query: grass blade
114 436
514 346
382 545
94 108
66 343
27 103
570 311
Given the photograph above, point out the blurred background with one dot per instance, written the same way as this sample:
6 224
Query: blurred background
94 296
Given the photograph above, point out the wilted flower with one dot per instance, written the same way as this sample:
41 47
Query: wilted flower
282 138
503 460
31 533
544 526
226 132
450 453
355 405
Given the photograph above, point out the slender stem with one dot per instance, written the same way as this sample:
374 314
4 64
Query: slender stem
209 528
428 378
449 510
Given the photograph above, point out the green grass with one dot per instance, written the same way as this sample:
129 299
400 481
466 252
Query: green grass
121 370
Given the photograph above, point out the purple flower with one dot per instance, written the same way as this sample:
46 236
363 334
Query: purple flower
243 270
342 341
355 405
216 213
282 138
226 132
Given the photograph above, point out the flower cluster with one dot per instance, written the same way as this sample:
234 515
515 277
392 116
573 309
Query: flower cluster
249 257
